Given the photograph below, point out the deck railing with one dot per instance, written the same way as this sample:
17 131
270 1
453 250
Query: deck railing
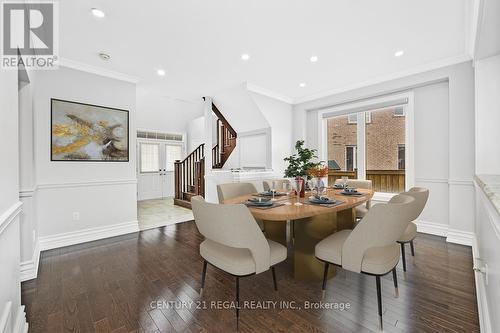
390 181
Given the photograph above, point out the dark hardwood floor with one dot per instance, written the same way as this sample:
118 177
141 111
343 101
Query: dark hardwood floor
109 286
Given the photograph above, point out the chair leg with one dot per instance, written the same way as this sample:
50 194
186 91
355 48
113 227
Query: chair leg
237 302
403 256
395 280
379 301
412 247
203 275
274 279
325 275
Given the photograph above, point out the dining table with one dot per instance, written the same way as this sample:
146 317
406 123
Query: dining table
310 223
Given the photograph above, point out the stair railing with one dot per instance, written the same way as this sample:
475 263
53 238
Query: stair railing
189 174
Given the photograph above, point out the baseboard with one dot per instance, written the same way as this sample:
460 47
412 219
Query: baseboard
432 228
460 237
21 325
482 303
29 268
87 235
452 235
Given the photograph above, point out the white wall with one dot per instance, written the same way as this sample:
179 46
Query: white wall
10 207
164 114
195 133
240 109
487 115
444 141
27 180
102 193
279 116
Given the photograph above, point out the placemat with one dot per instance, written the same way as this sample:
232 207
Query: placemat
337 202
264 207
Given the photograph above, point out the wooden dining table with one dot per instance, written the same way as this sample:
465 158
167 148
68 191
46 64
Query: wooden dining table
309 224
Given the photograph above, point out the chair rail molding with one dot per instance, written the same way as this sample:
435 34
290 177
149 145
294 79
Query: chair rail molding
86 184
87 235
10 215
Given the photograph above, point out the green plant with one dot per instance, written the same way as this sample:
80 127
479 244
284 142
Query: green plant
301 161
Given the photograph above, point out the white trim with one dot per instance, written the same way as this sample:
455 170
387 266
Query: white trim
452 235
29 268
432 228
344 108
460 237
482 302
269 93
460 182
416 70
491 211
432 180
27 193
68 63
5 318
21 326
85 184
10 215
87 235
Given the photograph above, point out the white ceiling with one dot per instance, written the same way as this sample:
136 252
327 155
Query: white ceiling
199 43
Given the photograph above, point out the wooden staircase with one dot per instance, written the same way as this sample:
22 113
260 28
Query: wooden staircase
189 174
226 140
189 177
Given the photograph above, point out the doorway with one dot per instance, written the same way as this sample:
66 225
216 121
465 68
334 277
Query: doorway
155 183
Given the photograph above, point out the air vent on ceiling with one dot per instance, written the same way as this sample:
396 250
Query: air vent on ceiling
159 136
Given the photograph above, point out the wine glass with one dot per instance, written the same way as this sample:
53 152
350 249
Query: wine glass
273 189
344 180
297 186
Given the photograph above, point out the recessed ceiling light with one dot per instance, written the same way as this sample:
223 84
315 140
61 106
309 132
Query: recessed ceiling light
245 56
313 58
302 84
160 72
104 56
399 53
98 13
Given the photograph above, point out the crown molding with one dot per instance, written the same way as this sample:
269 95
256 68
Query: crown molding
269 93
384 78
68 63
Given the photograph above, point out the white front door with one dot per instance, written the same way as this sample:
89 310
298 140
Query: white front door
156 168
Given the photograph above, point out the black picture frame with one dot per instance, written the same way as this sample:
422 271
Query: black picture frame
52 100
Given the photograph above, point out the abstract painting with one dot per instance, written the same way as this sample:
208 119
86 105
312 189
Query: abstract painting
84 132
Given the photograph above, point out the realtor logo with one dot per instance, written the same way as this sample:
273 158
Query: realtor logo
29 34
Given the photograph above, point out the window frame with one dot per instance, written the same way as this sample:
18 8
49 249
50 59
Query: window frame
140 157
343 109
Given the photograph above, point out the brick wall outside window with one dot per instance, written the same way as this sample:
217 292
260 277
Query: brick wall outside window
384 134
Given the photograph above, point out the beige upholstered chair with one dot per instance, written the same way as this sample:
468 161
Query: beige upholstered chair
233 242
421 195
371 247
361 210
268 184
233 190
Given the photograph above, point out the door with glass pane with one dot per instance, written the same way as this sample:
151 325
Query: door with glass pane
155 169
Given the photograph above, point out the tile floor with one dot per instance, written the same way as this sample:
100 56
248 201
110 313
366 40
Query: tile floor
161 212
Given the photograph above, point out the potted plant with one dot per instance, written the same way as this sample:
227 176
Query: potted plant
299 163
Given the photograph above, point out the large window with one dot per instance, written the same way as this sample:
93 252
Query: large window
380 156
342 144
150 157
